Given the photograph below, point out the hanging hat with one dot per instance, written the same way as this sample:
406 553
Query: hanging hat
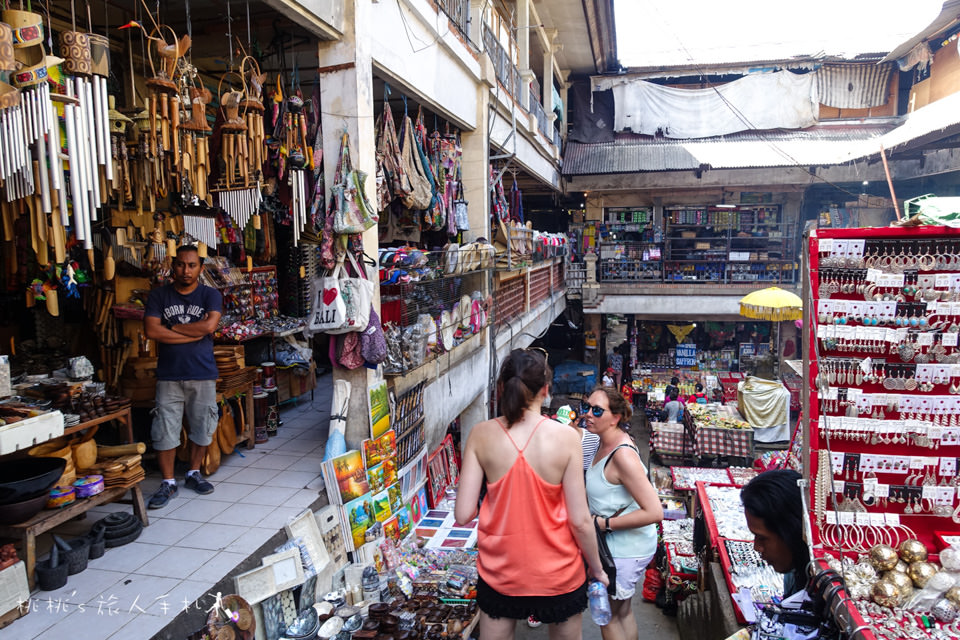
463 311
565 414
447 328
451 259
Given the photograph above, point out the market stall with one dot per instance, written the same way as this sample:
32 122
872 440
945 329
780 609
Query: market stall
718 431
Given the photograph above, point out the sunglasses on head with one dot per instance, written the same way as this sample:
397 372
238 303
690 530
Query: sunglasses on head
541 351
595 411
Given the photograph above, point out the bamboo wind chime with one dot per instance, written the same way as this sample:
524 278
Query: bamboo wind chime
87 123
295 125
238 192
159 145
32 169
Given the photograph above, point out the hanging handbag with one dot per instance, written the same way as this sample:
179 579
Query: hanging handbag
357 295
460 207
353 213
606 558
396 181
329 312
349 350
373 344
421 194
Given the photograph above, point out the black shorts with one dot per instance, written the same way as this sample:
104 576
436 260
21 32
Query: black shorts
549 609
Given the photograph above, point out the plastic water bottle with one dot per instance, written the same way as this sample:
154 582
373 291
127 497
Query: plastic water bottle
599 603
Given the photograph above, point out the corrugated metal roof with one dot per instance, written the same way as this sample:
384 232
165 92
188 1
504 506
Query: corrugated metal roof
948 15
820 145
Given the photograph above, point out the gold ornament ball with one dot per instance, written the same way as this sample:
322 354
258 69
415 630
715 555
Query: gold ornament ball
883 557
921 572
953 595
912 551
903 582
901 566
885 594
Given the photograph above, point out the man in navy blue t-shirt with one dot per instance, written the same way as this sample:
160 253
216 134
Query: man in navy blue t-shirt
182 317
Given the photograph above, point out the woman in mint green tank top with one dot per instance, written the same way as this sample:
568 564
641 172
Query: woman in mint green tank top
623 502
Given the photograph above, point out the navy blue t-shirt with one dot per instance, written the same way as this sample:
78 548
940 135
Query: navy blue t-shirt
192 360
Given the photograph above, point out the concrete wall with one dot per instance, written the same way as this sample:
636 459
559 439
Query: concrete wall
532 156
453 393
421 53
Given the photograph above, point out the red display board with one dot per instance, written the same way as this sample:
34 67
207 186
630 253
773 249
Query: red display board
882 383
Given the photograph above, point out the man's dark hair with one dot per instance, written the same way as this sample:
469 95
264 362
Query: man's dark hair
774 497
674 380
184 248
673 395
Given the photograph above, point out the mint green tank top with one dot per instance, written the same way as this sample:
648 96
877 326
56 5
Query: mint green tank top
605 498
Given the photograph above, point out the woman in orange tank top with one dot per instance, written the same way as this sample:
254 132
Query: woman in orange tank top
534 525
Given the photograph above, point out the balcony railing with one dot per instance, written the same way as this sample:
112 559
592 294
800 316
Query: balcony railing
542 123
516 295
629 262
507 72
459 12
575 274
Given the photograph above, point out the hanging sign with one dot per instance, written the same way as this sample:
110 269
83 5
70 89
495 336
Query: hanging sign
686 355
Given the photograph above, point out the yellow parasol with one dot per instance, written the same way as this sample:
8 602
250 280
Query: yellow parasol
773 304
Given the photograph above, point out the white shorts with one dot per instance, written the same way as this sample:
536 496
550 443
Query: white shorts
630 571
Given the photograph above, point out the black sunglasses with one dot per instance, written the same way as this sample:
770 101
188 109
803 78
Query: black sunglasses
595 411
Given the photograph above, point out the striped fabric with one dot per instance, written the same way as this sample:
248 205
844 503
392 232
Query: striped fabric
589 442
853 86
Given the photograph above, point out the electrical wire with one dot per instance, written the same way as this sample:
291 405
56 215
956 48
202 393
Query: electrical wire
410 38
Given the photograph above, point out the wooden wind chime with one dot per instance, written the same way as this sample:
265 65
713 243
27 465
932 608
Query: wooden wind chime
295 142
87 123
238 191
158 152
121 183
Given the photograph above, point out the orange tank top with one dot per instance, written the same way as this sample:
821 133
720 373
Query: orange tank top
525 545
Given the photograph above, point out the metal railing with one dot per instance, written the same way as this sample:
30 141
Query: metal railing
459 13
535 92
542 123
507 72
575 274
623 262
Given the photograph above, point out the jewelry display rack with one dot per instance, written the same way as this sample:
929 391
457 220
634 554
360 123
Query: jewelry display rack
882 381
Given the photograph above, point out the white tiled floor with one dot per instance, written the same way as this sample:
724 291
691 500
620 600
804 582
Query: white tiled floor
134 591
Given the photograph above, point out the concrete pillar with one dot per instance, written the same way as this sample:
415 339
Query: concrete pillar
527 76
523 35
476 162
477 8
346 77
